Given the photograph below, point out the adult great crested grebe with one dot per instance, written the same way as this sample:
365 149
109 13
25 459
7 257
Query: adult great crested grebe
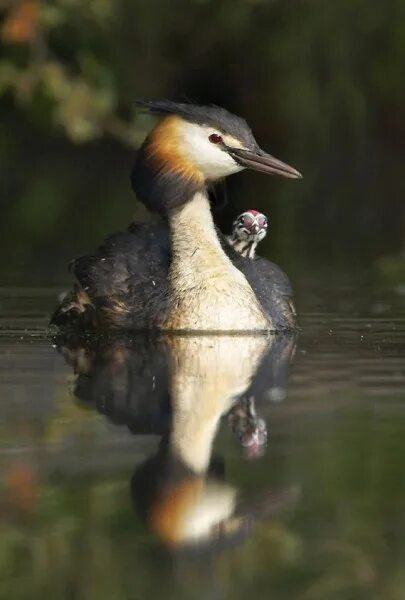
183 276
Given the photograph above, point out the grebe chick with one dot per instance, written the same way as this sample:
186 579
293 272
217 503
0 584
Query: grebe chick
248 427
179 275
248 230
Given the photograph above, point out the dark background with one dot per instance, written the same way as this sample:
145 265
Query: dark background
320 82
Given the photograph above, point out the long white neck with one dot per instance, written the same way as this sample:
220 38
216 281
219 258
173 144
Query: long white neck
195 245
206 291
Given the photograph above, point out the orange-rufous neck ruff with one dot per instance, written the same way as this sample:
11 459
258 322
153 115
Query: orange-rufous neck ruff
164 150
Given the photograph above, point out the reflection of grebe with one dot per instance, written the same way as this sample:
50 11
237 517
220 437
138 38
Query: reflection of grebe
180 387
184 276
176 491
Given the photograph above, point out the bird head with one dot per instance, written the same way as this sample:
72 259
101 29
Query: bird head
192 146
250 226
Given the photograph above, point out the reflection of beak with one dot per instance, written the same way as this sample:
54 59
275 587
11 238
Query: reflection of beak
265 163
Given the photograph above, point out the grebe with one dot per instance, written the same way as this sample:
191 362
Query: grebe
182 275
248 230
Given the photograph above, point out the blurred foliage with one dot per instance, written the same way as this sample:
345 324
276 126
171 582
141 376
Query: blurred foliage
67 87
320 82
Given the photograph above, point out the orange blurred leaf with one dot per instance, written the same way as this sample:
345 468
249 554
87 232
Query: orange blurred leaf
21 23
21 487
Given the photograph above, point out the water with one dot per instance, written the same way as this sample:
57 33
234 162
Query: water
93 505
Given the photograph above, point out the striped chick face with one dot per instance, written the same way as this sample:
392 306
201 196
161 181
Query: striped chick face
250 226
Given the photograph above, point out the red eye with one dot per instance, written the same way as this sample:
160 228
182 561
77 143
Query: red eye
215 138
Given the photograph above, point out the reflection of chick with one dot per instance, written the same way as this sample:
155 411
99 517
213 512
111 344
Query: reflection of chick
248 230
248 427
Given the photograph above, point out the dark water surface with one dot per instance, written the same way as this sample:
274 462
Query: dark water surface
134 468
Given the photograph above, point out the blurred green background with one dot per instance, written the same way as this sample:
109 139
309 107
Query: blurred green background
320 82
322 85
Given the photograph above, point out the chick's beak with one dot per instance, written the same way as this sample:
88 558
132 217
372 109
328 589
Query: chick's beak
258 160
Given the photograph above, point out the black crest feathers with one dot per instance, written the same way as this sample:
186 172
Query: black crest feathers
213 116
